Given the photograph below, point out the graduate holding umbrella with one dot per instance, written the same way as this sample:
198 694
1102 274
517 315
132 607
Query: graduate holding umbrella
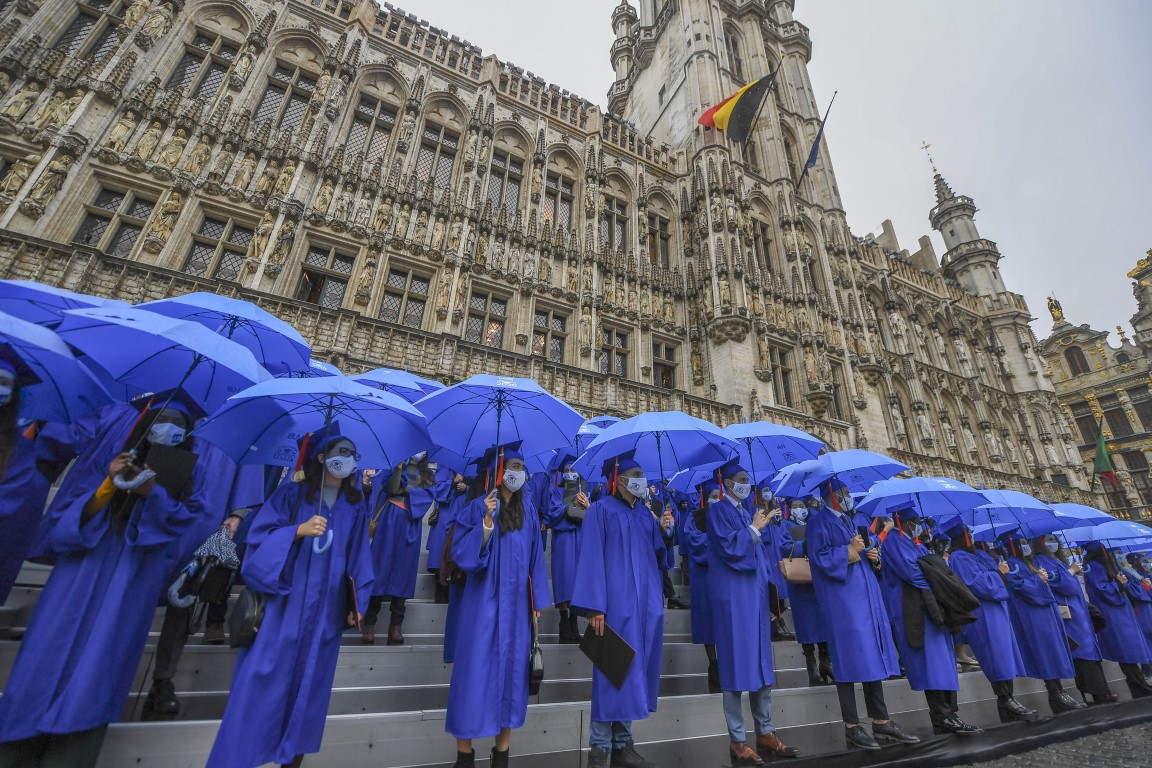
1121 639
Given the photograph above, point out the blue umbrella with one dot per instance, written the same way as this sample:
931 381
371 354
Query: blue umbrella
44 304
315 369
1016 511
264 423
485 411
147 352
666 440
407 385
767 448
603 422
940 498
54 385
584 436
277 345
858 469
1083 512
1115 533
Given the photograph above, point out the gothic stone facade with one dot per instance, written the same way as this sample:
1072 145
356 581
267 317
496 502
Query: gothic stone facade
404 200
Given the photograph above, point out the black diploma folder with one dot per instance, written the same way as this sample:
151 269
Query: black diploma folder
173 468
609 653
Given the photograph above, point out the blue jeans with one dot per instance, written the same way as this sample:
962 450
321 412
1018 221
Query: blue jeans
761 703
609 736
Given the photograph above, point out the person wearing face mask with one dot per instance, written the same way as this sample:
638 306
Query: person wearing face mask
991 636
110 547
923 637
1139 587
567 504
1069 594
775 540
811 629
694 532
438 526
496 542
618 583
1038 624
1121 639
398 508
742 613
860 641
308 555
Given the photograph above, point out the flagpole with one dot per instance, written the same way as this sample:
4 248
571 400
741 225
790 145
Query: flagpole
760 108
1099 431
819 136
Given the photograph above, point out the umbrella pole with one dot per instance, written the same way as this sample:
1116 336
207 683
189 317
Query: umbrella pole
171 395
752 462
660 456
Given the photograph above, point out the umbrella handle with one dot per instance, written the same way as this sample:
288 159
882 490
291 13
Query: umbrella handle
320 548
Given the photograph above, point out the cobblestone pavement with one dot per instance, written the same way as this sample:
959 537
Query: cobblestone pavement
1120 748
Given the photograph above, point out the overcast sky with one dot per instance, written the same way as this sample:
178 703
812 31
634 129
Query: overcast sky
1040 110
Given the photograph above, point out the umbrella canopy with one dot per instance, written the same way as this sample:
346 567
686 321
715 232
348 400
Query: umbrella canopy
264 423
406 385
276 344
485 411
603 422
315 369
858 469
147 352
1083 512
584 437
767 448
54 385
44 304
1017 512
1115 533
940 498
667 441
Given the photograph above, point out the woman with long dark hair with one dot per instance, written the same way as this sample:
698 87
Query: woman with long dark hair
496 543
807 618
1138 572
308 555
1120 638
110 547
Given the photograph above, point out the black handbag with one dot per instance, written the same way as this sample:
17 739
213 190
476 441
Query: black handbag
247 615
536 655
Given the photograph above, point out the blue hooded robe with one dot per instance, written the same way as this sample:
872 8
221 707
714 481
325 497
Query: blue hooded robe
1039 628
618 574
489 689
933 666
1141 599
565 543
396 543
807 618
1121 639
1068 591
991 636
703 628
289 670
79 656
738 589
860 637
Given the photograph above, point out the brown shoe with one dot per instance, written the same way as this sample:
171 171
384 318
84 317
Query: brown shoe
742 754
770 742
214 634
368 636
395 636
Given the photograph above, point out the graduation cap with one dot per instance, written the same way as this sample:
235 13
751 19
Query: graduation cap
170 399
731 469
706 489
562 460
613 468
494 460
313 444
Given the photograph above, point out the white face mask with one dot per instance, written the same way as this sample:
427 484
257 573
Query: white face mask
766 494
847 503
637 486
713 500
1026 549
916 531
420 456
340 467
1052 546
571 477
6 390
741 490
800 514
514 479
166 433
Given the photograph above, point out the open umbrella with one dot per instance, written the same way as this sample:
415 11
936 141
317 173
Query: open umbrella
858 469
45 304
54 385
939 498
767 448
263 424
147 352
1083 512
315 369
1115 533
603 422
486 411
277 345
1009 510
669 441
407 385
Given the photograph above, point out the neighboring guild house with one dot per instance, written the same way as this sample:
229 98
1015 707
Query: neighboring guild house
405 200
1107 389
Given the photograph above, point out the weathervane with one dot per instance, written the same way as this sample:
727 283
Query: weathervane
931 162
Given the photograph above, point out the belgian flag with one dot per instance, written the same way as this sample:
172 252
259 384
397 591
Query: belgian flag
736 114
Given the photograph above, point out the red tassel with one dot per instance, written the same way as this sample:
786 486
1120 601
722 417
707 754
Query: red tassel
143 411
32 431
967 538
298 471
500 469
833 501
896 519
612 482
720 482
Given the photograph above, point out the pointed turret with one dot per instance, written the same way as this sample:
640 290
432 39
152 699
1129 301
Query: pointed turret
969 259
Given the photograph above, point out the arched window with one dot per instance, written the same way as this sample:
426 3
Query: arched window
790 156
732 45
1123 358
1077 364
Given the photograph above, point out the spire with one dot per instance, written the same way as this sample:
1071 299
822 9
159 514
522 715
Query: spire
943 191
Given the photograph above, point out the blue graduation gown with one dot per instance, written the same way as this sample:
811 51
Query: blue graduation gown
738 589
447 518
565 545
78 658
807 618
703 628
281 687
933 667
23 491
991 635
860 637
489 689
396 545
1141 606
1121 640
618 574
1039 628
1067 590
437 533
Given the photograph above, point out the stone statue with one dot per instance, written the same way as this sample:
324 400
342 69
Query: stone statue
382 219
470 147
166 218
135 12
859 383
51 179
725 291
438 234
754 404
529 264
545 270
941 349
537 180
15 109
632 303
158 21
243 64
921 338
148 141
284 243
927 431
18 173
897 417
284 181
323 198
336 93
244 173
949 433
172 150
1029 456
363 212
969 438
709 299
586 328
343 210
1013 455
444 290
367 277
697 365
1055 309
402 221
588 280
765 359
813 376
407 127
43 115
669 316
461 292
267 179
198 158
455 231
571 276
513 260
121 132
259 242
1050 454
420 229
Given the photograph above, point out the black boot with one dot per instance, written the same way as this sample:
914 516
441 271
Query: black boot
499 759
566 635
1138 685
1059 700
713 670
574 628
628 757
826 665
780 630
812 665
1011 711
441 594
466 760
597 758
161 703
